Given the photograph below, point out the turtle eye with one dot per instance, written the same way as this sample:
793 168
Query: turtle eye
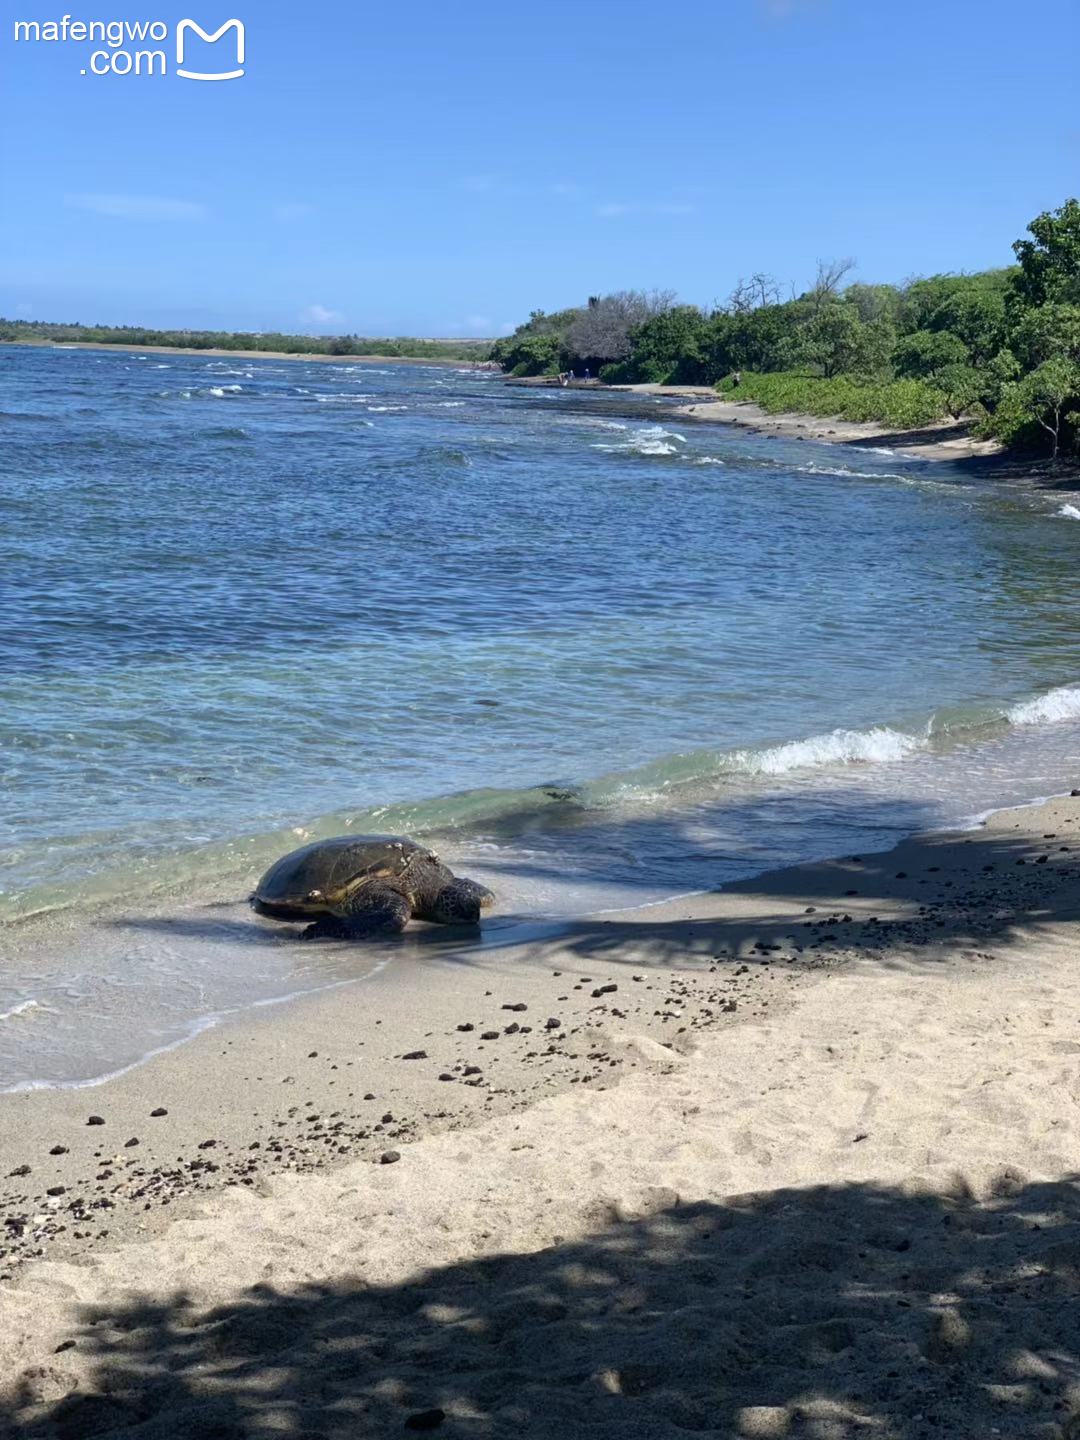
314 895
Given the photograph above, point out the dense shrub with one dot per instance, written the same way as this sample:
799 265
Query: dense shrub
902 404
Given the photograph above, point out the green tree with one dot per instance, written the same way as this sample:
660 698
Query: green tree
962 386
874 302
1047 391
976 316
1050 260
666 348
1046 333
837 342
925 352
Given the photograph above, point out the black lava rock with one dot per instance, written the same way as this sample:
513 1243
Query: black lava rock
425 1420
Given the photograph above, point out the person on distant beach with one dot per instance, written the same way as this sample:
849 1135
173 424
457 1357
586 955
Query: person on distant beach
736 379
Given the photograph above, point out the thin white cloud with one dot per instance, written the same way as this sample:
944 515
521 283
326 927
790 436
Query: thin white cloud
320 315
149 209
499 186
617 211
784 9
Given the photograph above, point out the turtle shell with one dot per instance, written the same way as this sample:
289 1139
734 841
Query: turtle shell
317 877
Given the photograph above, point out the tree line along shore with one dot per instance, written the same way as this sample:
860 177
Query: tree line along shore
999 348
270 342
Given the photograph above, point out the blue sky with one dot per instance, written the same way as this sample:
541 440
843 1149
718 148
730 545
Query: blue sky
443 168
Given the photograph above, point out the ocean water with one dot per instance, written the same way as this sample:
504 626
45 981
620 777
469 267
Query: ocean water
599 655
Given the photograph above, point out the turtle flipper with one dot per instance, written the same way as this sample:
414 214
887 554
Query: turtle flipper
372 911
458 903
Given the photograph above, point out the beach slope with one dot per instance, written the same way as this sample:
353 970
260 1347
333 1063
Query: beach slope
816 1180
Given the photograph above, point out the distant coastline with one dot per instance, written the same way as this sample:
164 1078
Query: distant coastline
456 362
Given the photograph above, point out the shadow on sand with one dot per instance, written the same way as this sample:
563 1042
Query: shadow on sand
846 1311
966 889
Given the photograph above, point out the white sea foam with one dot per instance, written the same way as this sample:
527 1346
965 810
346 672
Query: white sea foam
894 454
877 746
708 460
1070 512
1060 704
222 390
379 409
649 440
449 404
23 1008
848 474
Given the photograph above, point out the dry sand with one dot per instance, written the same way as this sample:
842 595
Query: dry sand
808 1171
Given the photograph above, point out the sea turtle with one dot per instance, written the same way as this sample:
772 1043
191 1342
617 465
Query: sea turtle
358 885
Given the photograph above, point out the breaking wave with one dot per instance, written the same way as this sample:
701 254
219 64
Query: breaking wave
878 746
649 440
1070 512
1060 704
847 473
23 1008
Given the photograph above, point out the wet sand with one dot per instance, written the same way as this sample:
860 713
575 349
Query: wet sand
806 1170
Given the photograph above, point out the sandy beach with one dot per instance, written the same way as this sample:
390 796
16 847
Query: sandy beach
944 440
797 1158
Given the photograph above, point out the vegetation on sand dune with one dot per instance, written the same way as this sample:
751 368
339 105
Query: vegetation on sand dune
904 404
1001 346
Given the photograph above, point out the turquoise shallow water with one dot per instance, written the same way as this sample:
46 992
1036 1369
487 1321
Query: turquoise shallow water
604 654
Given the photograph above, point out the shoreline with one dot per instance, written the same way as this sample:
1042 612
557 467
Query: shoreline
882 1024
948 440
192 1075
219 353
